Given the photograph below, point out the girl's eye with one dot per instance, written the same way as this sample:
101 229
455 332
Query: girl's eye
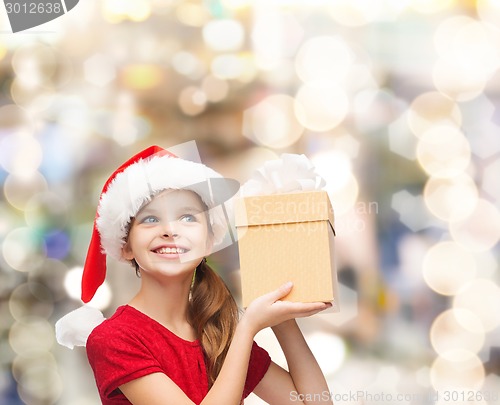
149 220
188 218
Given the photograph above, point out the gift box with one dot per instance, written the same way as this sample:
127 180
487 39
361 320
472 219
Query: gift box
287 237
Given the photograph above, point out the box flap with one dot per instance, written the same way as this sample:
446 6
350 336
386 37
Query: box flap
284 208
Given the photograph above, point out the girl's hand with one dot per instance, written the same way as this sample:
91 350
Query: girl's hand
268 310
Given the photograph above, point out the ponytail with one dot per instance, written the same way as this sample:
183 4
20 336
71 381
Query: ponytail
213 313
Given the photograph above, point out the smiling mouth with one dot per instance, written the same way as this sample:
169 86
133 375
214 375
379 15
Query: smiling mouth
170 250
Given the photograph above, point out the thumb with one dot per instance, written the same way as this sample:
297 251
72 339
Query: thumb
281 291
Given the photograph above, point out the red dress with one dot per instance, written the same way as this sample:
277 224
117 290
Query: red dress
130 345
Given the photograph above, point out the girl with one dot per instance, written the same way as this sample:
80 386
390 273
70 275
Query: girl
179 340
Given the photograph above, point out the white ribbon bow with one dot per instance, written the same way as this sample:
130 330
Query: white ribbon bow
288 174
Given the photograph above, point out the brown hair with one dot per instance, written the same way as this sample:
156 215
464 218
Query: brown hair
213 313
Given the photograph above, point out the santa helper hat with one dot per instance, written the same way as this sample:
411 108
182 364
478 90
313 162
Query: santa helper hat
129 188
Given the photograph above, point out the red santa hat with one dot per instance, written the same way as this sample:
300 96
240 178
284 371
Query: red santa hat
131 186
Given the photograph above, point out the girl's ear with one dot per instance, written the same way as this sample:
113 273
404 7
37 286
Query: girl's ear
127 253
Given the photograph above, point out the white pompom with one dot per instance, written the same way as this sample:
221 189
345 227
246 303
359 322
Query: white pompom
74 328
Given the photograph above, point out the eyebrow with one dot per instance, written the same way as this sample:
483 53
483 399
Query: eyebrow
192 209
147 210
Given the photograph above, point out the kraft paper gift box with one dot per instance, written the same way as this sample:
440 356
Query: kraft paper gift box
287 237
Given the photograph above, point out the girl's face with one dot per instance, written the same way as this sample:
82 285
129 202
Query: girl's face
169 235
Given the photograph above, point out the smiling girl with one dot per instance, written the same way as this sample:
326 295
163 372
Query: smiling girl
180 340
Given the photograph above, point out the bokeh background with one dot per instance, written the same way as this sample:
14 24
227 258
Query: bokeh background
396 102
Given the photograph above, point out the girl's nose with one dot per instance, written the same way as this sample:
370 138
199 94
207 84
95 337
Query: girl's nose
169 235
169 231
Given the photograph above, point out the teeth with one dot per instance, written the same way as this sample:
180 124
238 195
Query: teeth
168 250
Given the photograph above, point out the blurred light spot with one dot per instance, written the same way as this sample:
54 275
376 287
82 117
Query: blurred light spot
20 153
99 69
321 105
483 138
275 36
51 275
342 187
124 126
411 210
382 106
12 117
6 219
223 34
354 13
447 267
26 360
19 191
251 158
324 58
187 64
281 76
192 100
329 350
20 249
236 4
401 140
272 122
469 55
192 14
344 199
229 66
31 335
102 297
482 298
73 282
215 89
38 379
347 144
142 77
72 125
34 65
490 182
37 104
34 101
469 42
57 244
72 285
3 51
115 11
334 166
486 264
443 151
348 303
448 336
458 370
480 231
31 299
451 199
431 109
46 210
458 82
431 6
488 10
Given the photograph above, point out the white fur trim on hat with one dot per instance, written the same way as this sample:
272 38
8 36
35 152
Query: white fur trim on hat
138 183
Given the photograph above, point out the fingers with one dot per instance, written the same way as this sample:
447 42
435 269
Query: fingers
301 309
280 292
